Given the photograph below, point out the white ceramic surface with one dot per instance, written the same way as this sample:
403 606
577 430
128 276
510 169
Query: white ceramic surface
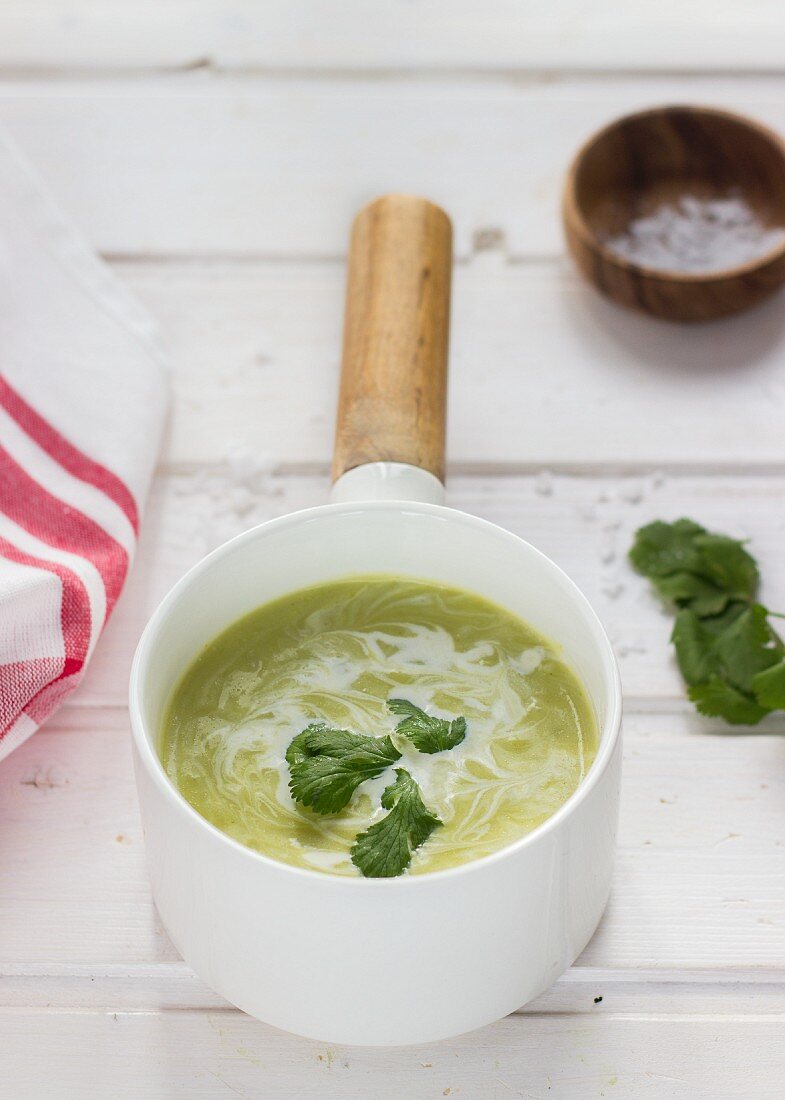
360 961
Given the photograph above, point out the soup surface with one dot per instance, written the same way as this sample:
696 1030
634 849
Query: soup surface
336 653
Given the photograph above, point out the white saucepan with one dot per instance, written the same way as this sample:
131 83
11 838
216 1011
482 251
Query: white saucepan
417 958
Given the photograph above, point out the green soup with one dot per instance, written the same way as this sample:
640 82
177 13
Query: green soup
337 653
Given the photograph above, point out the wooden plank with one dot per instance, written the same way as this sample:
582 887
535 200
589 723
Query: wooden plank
700 877
72 874
543 371
433 34
278 167
585 523
226 1054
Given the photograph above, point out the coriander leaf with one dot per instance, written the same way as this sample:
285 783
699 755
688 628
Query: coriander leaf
694 647
693 567
769 687
734 646
745 647
719 699
729 654
427 734
669 555
689 590
385 849
664 548
715 624
725 562
327 765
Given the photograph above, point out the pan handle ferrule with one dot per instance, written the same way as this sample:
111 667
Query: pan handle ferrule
387 481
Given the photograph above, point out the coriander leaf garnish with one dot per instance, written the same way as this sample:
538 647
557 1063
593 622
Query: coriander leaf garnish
385 849
328 765
427 734
729 654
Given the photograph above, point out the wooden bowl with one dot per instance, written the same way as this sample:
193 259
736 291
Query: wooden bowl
644 166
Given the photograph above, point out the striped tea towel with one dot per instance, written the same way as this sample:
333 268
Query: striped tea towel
82 404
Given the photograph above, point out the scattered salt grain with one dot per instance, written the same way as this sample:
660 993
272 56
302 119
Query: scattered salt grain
613 589
543 484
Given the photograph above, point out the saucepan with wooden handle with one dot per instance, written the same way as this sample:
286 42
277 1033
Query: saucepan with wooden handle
300 949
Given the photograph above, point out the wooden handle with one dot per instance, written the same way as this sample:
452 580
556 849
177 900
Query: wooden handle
392 403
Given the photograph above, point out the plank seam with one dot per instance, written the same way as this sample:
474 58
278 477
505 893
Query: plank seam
205 68
483 470
575 975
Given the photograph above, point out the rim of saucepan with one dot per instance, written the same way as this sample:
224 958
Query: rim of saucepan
609 734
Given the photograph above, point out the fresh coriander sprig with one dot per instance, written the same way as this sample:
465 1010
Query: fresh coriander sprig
729 654
328 765
693 568
385 849
426 733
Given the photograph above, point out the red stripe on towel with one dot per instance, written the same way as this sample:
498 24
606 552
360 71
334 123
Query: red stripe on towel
52 521
69 457
28 685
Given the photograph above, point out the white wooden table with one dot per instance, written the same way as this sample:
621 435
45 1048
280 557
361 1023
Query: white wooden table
215 151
